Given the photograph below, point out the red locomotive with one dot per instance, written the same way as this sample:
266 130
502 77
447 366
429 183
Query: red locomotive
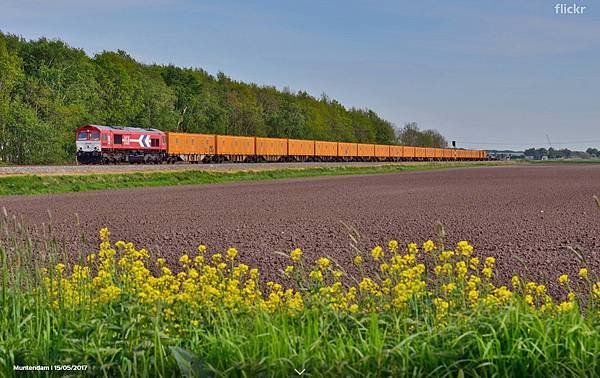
114 144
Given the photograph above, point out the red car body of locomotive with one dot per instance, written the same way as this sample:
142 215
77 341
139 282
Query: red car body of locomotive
113 144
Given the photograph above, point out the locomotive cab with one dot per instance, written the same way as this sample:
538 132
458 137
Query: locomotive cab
89 148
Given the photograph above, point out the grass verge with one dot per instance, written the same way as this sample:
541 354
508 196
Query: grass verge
42 184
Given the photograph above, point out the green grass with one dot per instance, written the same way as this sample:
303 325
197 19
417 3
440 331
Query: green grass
42 184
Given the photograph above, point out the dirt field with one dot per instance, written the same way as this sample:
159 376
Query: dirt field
531 212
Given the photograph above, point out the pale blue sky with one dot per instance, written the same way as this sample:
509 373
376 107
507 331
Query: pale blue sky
501 74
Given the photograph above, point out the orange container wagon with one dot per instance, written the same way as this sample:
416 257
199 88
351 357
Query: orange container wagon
447 153
323 148
190 144
396 151
365 150
271 146
235 145
408 152
428 152
300 147
420 152
382 151
347 149
438 153
175 143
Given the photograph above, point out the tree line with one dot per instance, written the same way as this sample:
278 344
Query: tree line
48 89
563 153
411 135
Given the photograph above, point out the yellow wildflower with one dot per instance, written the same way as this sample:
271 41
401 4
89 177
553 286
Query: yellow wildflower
59 268
529 299
464 248
358 259
412 248
563 279
323 263
231 253
316 275
296 254
377 253
516 281
185 259
583 273
487 272
428 246
565 307
104 234
473 295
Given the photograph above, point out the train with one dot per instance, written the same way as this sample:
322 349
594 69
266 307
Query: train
98 144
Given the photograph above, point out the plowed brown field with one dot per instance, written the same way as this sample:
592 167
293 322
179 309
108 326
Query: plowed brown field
532 213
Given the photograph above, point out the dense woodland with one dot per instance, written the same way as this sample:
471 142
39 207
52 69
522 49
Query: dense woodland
48 89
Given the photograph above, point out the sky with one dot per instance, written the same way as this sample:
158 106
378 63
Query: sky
488 74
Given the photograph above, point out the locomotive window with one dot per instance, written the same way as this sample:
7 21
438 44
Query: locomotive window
95 135
154 142
82 135
118 139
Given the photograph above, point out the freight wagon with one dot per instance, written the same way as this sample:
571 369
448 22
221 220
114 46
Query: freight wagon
112 144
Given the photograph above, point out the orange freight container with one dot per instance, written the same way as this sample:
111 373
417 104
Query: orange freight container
271 146
299 147
420 152
396 151
235 145
382 150
347 149
323 148
438 153
365 150
190 144
408 152
447 153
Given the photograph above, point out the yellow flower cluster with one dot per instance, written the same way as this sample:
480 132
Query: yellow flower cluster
203 284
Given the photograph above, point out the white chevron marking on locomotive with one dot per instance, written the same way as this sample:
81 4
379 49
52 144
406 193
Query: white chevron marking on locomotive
144 141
